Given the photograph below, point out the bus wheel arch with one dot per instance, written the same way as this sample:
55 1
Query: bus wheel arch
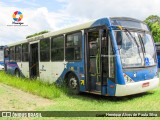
72 82
17 72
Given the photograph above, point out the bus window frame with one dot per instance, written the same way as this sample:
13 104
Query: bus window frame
52 37
10 54
25 52
19 60
74 32
39 49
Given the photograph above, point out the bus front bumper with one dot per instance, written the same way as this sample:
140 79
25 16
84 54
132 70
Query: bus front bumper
136 87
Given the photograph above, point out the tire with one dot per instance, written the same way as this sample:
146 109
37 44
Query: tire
17 73
73 84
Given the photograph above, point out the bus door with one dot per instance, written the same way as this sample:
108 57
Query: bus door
34 60
96 60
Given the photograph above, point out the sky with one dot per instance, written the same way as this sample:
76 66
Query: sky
52 15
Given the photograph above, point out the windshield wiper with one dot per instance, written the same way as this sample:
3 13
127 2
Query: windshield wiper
135 42
132 37
140 37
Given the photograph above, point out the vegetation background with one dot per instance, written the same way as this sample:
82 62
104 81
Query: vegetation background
153 21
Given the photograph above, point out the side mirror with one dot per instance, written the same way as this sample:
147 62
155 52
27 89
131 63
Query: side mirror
119 39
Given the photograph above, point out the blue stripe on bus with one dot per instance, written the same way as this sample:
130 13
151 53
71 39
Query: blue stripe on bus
141 75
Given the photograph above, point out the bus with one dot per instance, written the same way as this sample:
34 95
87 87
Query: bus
158 53
112 56
1 57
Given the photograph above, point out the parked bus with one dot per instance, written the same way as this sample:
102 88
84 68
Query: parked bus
158 53
1 57
109 56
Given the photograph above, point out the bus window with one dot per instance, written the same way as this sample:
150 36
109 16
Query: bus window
25 52
6 52
45 50
57 48
111 61
104 52
12 54
18 53
73 46
94 52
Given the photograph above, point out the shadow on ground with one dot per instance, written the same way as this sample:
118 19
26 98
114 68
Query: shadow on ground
91 97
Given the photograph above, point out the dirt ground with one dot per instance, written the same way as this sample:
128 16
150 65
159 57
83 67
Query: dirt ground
16 100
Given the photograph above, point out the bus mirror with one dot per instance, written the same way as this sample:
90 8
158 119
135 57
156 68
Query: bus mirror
119 39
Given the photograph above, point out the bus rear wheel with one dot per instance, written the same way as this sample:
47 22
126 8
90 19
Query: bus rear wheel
73 84
17 73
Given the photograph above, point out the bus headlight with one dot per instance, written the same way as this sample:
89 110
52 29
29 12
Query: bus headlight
127 78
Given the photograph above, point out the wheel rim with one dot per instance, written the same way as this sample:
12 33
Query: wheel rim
73 83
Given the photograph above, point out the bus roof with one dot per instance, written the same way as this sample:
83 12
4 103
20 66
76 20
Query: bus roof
16 43
93 23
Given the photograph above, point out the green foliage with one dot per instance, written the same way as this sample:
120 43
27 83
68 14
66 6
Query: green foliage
148 101
32 86
153 22
36 34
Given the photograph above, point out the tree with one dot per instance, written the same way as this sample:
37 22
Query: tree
36 34
153 21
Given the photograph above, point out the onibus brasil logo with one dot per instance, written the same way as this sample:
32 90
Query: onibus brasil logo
17 17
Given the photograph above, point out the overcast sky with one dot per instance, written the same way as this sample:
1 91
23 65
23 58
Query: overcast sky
57 14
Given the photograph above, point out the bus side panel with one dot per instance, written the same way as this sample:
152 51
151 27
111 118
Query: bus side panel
25 69
78 69
11 67
50 71
111 88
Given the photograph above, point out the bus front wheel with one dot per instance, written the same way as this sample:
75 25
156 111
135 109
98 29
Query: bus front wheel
73 84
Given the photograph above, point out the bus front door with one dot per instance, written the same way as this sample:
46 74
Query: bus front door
96 60
34 61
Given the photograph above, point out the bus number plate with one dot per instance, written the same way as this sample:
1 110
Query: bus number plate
145 84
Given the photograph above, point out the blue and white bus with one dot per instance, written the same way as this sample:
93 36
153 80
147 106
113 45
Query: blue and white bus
110 56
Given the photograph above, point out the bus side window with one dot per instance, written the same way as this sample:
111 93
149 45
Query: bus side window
111 60
45 50
6 53
12 54
104 50
57 48
18 53
73 46
25 53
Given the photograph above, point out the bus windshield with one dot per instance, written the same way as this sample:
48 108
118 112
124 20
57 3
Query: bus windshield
136 49
1 55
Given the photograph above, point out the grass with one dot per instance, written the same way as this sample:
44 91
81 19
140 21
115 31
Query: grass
32 86
149 101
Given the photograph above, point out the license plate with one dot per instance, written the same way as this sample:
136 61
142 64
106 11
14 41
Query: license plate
145 84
